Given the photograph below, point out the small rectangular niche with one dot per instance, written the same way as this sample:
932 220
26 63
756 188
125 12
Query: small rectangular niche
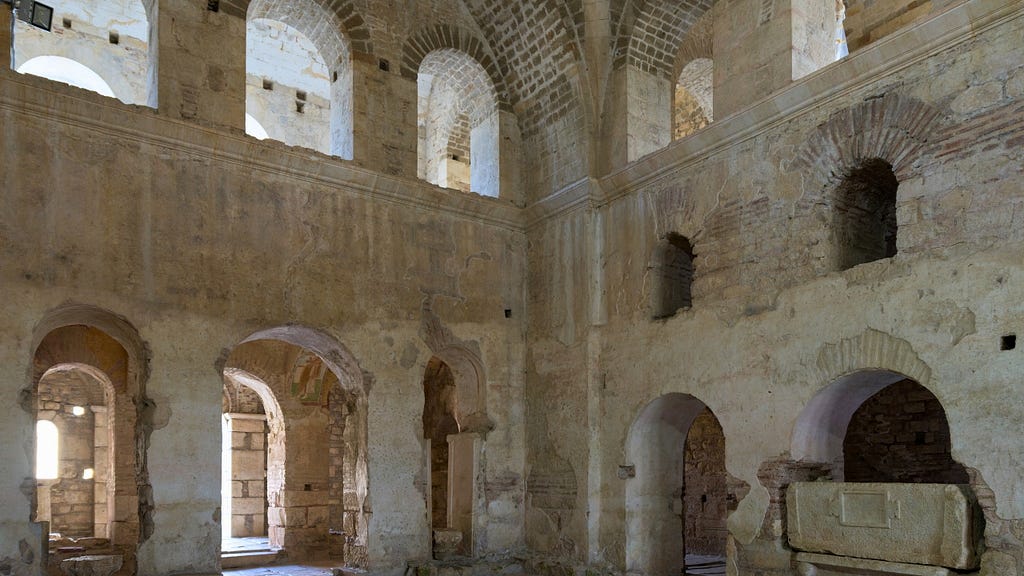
66 22
300 95
115 38
1008 342
300 106
268 84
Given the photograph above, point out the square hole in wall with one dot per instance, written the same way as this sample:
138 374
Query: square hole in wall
1008 342
384 65
268 84
115 38
300 95
67 23
300 106
213 5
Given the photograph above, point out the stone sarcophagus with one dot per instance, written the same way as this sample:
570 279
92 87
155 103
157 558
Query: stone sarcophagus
924 524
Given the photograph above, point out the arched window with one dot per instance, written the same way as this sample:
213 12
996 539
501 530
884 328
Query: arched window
99 46
298 77
47 450
458 123
693 103
865 214
672 270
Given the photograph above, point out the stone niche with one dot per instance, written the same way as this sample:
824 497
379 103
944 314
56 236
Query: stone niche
878 528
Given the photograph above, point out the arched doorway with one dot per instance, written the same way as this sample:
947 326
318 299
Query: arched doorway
878 426
88 371
451 488
314 404
676 500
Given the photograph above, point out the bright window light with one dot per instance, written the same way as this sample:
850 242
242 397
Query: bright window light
88 474
47 450
254 128
68 71
78 411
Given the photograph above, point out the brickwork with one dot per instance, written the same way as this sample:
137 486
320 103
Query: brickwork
301 487
864 212
652 42
79 365
705 490
900 435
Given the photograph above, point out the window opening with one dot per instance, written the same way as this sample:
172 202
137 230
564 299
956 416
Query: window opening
99 46
47 450
673 270
458 123
693 106
865 214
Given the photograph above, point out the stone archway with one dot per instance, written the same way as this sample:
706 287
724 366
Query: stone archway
664 497
313 391
89 369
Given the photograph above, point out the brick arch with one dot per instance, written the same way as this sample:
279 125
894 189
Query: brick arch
697 43
650 33
850 371
871 350
893 128
351 22
444 36
308 17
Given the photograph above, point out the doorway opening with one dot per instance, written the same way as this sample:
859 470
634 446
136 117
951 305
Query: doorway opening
677 503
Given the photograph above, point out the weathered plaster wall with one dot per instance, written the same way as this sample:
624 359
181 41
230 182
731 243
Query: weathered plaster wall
772 321
235 235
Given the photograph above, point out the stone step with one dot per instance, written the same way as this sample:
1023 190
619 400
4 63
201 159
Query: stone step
248 558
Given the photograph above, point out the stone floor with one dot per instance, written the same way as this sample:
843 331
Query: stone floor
248 544
697 565
322 569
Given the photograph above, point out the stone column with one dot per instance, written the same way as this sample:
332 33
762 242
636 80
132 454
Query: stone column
201 70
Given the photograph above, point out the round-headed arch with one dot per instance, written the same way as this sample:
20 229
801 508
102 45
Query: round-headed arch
317 23
449 39
334 354
654 447
107 322
343 14
650 39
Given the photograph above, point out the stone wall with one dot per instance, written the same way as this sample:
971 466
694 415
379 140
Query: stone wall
248 476
754 194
